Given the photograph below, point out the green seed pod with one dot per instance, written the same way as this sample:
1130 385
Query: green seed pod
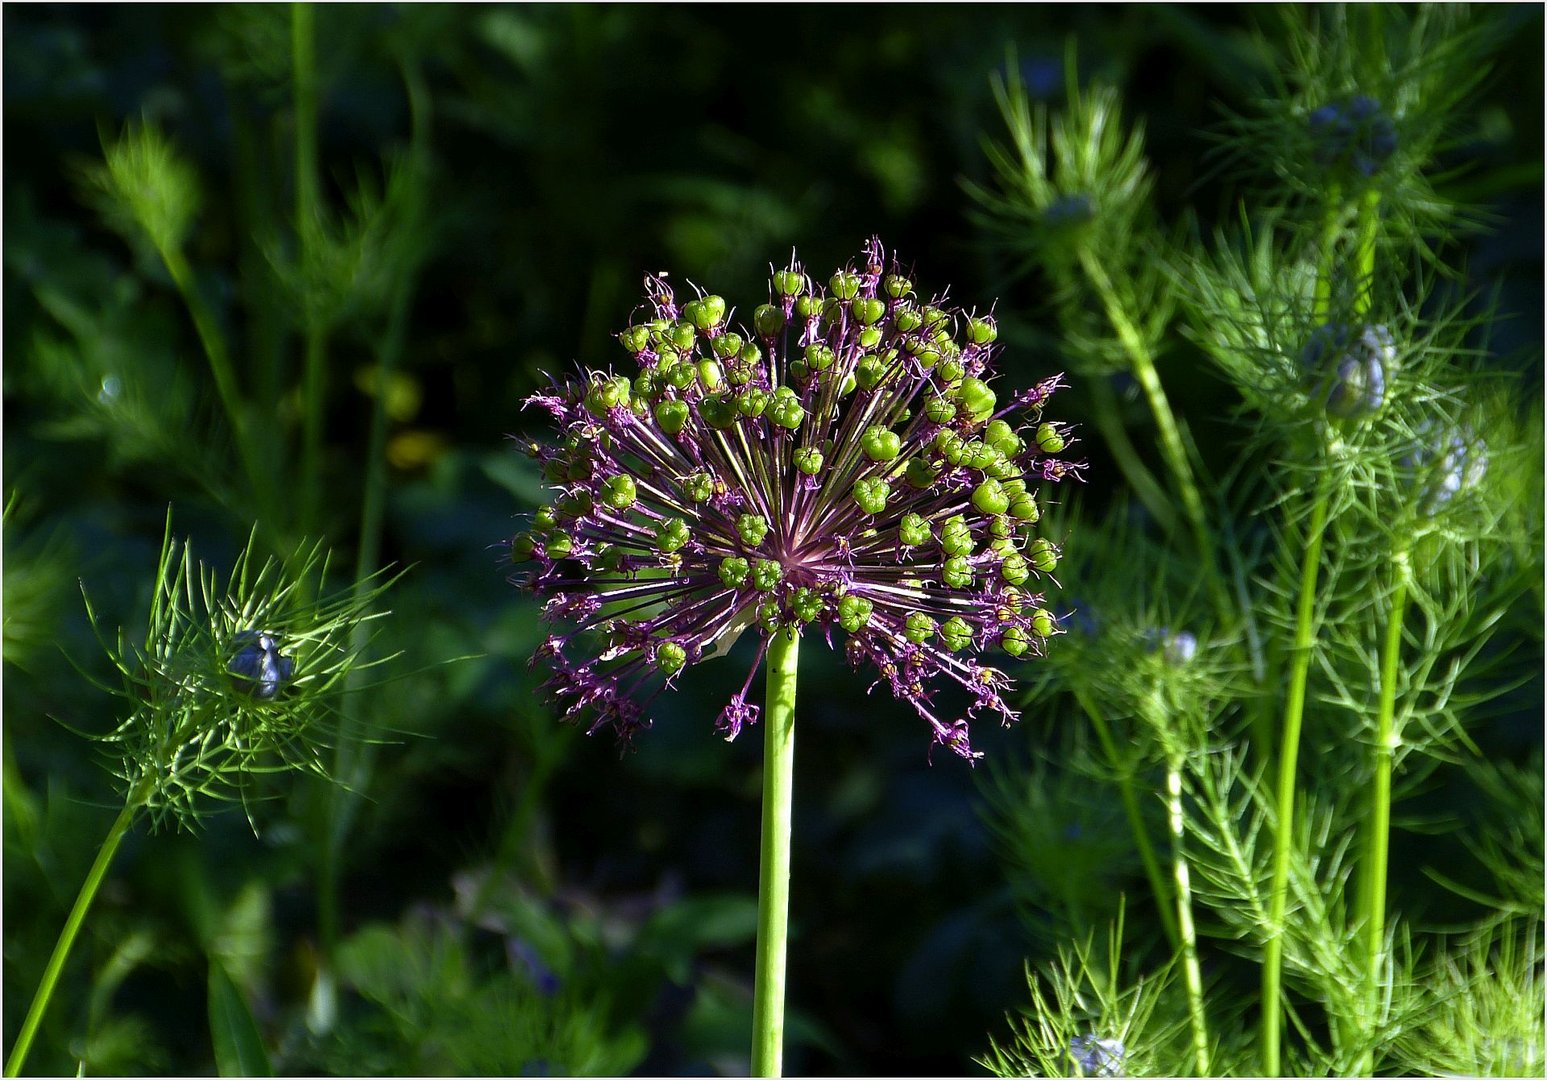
709 312
558 546
1024 508
871 494
788 282
920 473
880 444
951 369
718 412
819 357
751 354
1049 441
785 409
544 519
977 400
683 335
808 459
868 371
635 338
868 312
854 613
680 376
956 537
1001 436
844 285
799 372
990 498
734 571
710 374
1014 569
768 616
766 575
919 628
698 487
619 491
752 529
522 547
1002 468
671 535
670 658
607 394
727 345
1042 623
939 409
909 321
767 320
982 331
870 337
956 572
956 633
609 559
1043 555
1013 641
934 317
896 286
808 307
1000 527
913 530
751 402
806 603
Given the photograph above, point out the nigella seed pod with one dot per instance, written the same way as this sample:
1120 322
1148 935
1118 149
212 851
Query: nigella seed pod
258 666
859 469
1348 367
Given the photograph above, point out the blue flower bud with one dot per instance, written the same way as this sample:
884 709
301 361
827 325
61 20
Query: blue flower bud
1348 368
258 666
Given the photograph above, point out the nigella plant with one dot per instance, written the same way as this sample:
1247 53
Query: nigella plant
843 462
233 681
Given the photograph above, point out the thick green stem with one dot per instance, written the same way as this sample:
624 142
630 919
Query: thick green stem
1130 797
773 896
1288 759
1373 871
1194 976
72 927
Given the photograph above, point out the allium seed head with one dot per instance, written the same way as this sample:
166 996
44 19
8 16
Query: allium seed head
844 462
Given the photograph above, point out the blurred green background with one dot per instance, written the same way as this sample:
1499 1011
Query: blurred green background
494 182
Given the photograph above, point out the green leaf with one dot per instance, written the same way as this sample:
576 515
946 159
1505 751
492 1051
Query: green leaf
238 1045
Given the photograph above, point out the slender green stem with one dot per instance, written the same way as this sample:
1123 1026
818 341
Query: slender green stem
307 222
1364 252
773 894
1288 759
1130 797
1189 949
221 369
1373 871
1172 448
1143 482
1326 272
72 927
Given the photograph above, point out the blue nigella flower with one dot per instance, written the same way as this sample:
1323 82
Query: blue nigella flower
1348 367
1450 461
1098 1057
1355 134
258 664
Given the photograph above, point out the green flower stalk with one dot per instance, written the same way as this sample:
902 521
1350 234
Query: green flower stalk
843 463
232 683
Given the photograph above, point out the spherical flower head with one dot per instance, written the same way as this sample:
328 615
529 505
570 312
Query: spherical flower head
1353 134
840 460
1347 367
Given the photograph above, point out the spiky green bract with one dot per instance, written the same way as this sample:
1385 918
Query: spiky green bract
203 723
847 462
1091 993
